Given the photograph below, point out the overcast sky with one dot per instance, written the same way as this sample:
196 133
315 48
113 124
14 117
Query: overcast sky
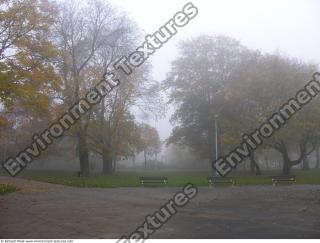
290 26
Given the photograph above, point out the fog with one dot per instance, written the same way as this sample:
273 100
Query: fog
118 116
286 28
290 27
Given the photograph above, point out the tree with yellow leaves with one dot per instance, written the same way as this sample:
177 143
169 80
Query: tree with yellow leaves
27 61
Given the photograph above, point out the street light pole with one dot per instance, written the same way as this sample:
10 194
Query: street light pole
216 136
216 139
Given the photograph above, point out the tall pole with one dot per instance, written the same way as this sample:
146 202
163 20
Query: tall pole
216 136
216 139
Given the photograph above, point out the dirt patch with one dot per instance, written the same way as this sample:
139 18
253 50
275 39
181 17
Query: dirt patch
30 186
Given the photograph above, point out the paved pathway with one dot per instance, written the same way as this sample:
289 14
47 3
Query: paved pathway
42 210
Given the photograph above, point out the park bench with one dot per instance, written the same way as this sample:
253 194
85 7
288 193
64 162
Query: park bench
153 180
283 178
220 180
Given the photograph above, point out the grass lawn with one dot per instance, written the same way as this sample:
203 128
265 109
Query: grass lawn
4 189
176 179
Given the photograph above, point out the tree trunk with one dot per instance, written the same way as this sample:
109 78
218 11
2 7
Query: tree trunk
133 162
82 137
286 163
305 163
83 152
211 144
317 158
266 161
107 166
254 167
145 159
114 165
251 166
286 167
106 161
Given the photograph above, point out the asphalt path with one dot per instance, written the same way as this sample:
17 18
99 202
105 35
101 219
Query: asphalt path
43 210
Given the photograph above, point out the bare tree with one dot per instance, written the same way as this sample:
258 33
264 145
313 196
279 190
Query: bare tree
84 31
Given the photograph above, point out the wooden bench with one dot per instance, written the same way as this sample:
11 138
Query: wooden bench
220 180
283 178
153 180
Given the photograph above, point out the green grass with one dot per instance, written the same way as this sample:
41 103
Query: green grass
4 189
176 179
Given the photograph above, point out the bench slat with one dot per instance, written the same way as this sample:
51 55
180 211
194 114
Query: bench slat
215 179
280 178
150 180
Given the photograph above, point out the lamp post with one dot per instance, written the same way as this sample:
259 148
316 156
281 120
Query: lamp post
216 139
216 135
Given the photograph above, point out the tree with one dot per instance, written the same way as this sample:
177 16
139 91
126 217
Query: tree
218 76
85 31
27 67
26 54
197 83
239 112
114 130
317 158
151 144
266 85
